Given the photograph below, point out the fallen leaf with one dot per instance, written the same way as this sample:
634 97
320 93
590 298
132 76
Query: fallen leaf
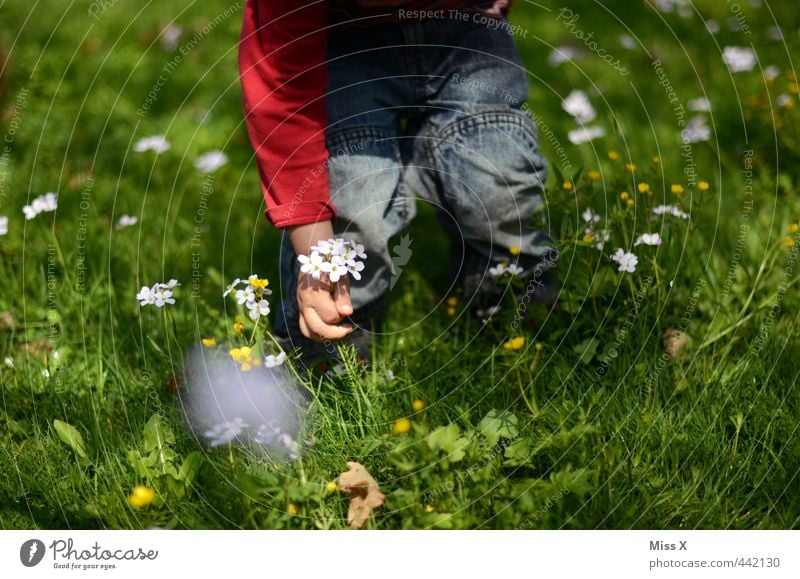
673 341
37 347
6 321
365 495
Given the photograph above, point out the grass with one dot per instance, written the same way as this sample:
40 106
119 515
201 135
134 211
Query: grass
597 428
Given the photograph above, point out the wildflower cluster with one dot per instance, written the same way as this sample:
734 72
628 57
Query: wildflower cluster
266 434
252 295
42 204
626 260
590 234
503 269
336 258
158 295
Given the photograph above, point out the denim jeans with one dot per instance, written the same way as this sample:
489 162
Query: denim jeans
430 109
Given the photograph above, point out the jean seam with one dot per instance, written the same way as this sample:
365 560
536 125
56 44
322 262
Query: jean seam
346 135
468 125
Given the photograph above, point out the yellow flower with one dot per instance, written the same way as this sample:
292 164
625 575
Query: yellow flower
567 185
613 155
624 196
331 487
794 228
513 250
630 202
588 238
417 405
703 186
244 357
656 160
257 283
538 346
429 508
630 167
141 496
451 311
788 242
677 189
643 188
452 301
209 342
292 509
515 343
238 327
593 175
401 426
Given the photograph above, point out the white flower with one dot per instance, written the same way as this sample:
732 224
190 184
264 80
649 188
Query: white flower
626 260
590 217
712 26
9 361
324 247
739 58
231 287
156 143
358 249
585 134
311 264
514 269
225 432
599 237
784 100
648 239
771 72
46 373
670 210
696 130
498 270
126 221
258 309
162 296
3 225
562 54
146 296
43 203
700 104
628 41
246 295
210 161
578 106
170 37
355 268
335 268
273 361
170 284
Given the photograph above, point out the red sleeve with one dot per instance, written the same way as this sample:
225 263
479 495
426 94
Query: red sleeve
284 78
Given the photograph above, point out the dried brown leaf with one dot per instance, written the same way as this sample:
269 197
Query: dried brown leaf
673 341
365 495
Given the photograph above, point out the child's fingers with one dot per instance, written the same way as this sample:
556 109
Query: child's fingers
306 332
323 330
342 297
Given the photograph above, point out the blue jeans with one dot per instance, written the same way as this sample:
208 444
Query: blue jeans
430 108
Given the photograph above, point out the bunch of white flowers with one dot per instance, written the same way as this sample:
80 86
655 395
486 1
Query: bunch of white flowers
626 260
252 295
673 210
43 203
336 258
156 143
599 237
159 295
502 269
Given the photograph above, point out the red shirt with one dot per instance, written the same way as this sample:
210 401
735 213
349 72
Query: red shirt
284 79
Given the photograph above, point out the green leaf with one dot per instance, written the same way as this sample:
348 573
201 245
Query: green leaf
156 434
587 350
138 464
498 424
70 435
190 467
448 439
519 452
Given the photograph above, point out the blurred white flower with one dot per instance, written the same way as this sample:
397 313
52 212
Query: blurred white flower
739 58
46 373
9 361
585 134
775 33
712 26
771 72
498 270
700 104
170 37
514 269
599 238
3 225
670 210
578 106
126 221
210 161
273 361
696 130
562 54
589 216
156 143
159 295
784 100
626 260
648 239
259 309
225 432
42 204
628 41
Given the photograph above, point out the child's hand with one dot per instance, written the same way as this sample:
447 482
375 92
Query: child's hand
321 311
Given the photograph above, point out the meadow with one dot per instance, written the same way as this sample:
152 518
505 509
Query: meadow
661 393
